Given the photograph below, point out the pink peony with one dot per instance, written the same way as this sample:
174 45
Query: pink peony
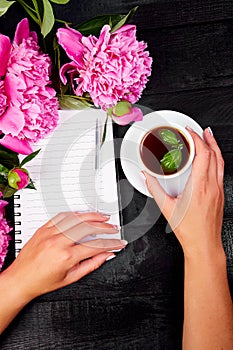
30 109
3 98
123 113
18 178
4 230
111 68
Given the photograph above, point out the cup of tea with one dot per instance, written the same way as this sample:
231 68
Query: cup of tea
166 150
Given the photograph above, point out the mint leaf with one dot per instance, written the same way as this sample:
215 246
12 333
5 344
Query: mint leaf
171 160
168 137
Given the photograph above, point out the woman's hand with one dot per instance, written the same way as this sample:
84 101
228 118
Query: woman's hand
196 215
51 259
196 219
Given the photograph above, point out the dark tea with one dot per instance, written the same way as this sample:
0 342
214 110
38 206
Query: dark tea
164 150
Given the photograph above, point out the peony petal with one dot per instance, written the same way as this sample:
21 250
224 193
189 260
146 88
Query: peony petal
104 37
22 31
12 121
67 68
12 86
70 40
134 116
126 28
16 145
5 47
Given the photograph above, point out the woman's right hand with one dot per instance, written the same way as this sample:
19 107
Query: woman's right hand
196 214
52 259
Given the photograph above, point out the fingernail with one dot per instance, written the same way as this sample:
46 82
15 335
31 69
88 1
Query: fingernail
188 128
210 131
117 227
123 241
143 173
106 216
110 257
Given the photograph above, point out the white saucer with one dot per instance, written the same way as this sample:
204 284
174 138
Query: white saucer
128 154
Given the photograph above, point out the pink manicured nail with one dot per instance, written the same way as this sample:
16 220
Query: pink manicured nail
188 128
110 257
123 241
106 216
143 173
210 131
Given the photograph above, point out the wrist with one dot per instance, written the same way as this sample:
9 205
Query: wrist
16 288
209 257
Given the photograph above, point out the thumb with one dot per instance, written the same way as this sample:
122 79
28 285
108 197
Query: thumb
163 200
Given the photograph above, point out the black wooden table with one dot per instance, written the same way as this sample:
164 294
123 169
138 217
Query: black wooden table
135 301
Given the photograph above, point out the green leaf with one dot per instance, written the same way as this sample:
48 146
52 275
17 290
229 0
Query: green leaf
60 2
9 159
168 137
48 18
29 157
94 25
4 171
171 160
31 185
7 191
69 102
3 179
4 6
125 19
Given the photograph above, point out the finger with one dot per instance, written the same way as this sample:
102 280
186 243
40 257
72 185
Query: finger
213 170
163 200
64 220
211 142
77 232
87 266
88 249
201 161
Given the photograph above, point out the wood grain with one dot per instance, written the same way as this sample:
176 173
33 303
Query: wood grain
135 301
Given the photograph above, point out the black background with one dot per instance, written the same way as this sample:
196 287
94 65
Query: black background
136 300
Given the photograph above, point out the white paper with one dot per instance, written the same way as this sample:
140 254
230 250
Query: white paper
65 176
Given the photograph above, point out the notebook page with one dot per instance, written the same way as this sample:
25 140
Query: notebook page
65 176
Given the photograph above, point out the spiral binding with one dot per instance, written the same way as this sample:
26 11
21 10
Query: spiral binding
18 232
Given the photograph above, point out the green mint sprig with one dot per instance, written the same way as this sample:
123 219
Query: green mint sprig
173 158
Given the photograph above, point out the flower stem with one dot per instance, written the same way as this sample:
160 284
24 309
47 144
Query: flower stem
37 11
29 10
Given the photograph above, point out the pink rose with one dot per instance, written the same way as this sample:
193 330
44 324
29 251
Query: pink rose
29 109
123 113
111 68
18 178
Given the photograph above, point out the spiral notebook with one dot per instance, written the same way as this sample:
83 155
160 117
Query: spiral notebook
69 175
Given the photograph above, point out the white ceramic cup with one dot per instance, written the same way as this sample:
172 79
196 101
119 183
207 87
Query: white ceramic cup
174 183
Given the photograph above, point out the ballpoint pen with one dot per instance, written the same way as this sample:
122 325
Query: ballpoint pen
97 162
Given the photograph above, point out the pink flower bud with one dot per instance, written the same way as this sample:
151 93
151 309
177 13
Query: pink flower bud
18 178
123 113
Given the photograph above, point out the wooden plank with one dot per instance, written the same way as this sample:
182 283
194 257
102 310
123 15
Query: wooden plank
152 13
188 58
209 107
185 57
